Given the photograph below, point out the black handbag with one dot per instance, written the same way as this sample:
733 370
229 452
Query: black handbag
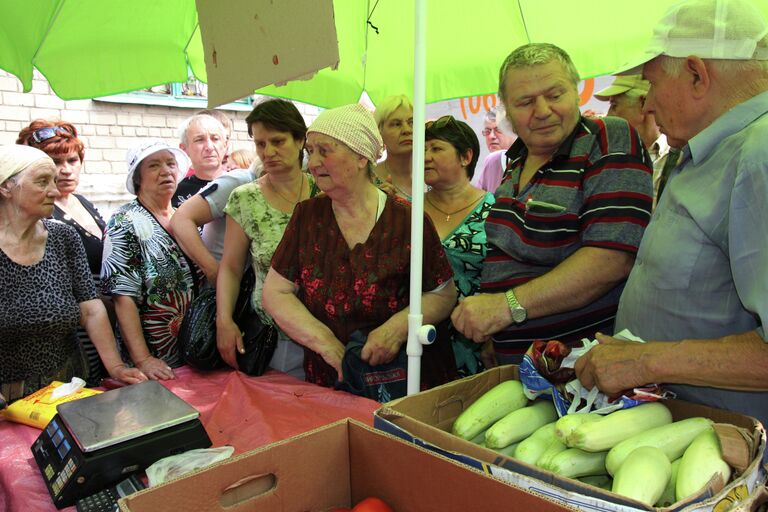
197 335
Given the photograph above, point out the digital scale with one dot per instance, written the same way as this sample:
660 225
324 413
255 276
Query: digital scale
99 440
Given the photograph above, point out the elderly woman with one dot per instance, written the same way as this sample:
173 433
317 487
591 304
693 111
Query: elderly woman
144 270
257 214
343 264
47 290
59 140
458 209
394 117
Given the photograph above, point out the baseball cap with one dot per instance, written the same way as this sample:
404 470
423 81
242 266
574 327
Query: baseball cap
709 29
147 148
622 84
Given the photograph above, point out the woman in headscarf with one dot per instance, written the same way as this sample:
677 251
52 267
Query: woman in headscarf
343 264
148 275
59 140
47 287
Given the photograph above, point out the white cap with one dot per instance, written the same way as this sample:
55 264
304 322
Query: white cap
147 148
709 29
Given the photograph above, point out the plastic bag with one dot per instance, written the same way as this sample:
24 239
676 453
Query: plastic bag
547 370
175 466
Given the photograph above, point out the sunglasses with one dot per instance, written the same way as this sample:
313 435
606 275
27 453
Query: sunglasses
450 123
43 134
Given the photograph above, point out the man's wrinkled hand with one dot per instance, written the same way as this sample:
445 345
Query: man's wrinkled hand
480 316
612 366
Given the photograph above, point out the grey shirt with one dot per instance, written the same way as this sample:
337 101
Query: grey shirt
216 194
702 268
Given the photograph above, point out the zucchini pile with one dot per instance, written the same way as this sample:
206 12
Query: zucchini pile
639 452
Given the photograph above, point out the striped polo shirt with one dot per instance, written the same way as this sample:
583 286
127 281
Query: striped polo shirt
595 191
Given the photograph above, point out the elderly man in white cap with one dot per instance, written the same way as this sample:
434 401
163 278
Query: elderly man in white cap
626 96
698 293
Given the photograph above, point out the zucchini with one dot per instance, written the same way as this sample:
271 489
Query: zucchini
644 475
573 463
668 496
600 481
553 449
568 423
605 433
520 424
672 439
530 449
702 461
494 404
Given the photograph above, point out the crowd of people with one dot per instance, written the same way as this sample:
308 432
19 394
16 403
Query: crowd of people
575 227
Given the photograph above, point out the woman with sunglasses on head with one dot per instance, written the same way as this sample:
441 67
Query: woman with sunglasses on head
59 140
343 266
394 117
458 209
47 290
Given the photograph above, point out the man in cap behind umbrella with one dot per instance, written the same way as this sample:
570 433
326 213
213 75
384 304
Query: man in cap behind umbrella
698 292
627 95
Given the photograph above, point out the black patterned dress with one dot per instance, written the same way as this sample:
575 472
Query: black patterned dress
40 313
94 248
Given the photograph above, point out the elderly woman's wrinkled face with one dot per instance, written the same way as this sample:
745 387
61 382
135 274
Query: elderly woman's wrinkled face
35 190
397 131
158 173
334 165
443 166
69 166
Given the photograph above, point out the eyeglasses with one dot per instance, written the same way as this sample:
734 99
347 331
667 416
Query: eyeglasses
43 134
487 131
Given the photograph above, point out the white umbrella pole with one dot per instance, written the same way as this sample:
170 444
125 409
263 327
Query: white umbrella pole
418 335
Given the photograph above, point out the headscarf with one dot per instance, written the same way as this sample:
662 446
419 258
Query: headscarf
353 125
14 158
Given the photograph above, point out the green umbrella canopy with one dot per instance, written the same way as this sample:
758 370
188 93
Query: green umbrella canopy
90 48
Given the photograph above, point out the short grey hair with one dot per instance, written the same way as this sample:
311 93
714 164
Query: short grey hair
185 124
536 54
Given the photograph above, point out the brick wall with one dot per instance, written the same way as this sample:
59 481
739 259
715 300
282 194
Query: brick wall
107 129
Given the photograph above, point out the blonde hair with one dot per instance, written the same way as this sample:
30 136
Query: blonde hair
243 158
388 105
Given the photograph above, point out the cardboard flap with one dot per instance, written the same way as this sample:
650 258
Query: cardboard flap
738 444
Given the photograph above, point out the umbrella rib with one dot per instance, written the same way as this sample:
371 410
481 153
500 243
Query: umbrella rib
48 30
522 17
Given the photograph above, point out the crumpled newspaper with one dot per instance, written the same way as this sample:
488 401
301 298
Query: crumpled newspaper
547 370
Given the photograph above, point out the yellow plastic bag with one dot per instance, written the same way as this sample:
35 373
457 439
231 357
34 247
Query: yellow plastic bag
39 408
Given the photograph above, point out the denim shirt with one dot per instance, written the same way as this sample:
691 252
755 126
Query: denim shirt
702 268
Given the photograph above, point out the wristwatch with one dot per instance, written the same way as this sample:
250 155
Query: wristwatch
519 314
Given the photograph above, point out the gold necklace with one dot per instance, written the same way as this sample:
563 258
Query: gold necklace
301 188
448 214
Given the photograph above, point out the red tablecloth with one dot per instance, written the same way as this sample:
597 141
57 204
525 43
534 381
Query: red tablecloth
245 412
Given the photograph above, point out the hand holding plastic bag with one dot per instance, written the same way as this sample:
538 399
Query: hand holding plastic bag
547 369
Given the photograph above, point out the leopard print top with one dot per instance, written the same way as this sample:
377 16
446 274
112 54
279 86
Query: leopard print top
39 305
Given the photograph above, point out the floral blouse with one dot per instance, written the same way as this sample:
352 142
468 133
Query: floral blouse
264 227
465 247
359 288
142 261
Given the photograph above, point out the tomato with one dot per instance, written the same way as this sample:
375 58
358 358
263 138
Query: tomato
372 505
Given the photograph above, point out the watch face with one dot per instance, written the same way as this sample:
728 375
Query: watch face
519 314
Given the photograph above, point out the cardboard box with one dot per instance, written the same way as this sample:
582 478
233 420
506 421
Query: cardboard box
426 419
337 465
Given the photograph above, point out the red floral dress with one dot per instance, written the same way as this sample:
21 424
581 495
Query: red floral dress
359 288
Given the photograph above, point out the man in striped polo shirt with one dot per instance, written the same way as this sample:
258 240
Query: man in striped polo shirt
568 218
